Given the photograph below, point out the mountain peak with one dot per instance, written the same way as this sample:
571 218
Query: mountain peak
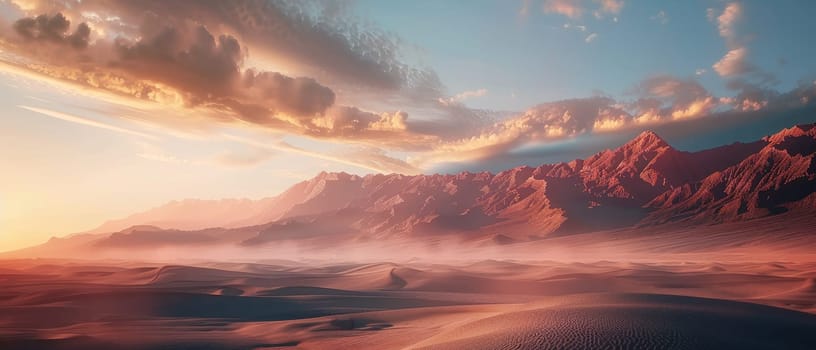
647 139
794 131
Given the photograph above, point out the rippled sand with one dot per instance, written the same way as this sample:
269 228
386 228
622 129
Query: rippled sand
482 305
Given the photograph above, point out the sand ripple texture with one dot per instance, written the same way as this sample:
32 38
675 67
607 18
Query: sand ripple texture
633 321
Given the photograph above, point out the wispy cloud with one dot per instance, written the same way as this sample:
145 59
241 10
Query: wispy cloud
568 8
733 63
86 122
227 159
458 98
524 11
727 20
580 28
243 159
610 6
380 163
660 17
574 9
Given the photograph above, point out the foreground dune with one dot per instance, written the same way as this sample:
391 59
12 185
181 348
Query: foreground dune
477 305
634 321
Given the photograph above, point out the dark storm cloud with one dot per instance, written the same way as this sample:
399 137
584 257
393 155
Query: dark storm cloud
52 29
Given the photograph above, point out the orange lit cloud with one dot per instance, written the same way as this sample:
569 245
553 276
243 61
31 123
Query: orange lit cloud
726 21
695 109
733 63
569 8
545 122
199 74
185 65
576 8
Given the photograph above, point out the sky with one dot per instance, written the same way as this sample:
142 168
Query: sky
114 107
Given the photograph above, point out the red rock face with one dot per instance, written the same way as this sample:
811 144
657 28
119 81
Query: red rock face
645 181
779 177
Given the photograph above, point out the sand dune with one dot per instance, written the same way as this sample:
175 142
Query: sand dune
634 321
490 304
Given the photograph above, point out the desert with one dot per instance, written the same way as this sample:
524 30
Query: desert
490 304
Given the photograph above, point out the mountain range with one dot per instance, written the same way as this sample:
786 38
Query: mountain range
643 183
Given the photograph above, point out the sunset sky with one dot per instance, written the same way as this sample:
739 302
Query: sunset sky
113 107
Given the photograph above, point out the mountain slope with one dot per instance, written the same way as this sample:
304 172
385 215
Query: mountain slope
641 183
195 214
779 177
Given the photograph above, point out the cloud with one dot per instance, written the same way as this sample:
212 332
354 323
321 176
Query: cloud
524 11
695 109
735 60
752 97
243 159
458 98
52 29
184 64
300 96
188 58
608 7
153 152
352 120
311 65
570 8
675 89
377 158
733 63
457 121
314 71
666 97
208 70
581 28
659 100
371 158
318 39
660 17
576 27
227 159
574 9
727 20
711 14
191 62
86 122
541 123
524 139
611 6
